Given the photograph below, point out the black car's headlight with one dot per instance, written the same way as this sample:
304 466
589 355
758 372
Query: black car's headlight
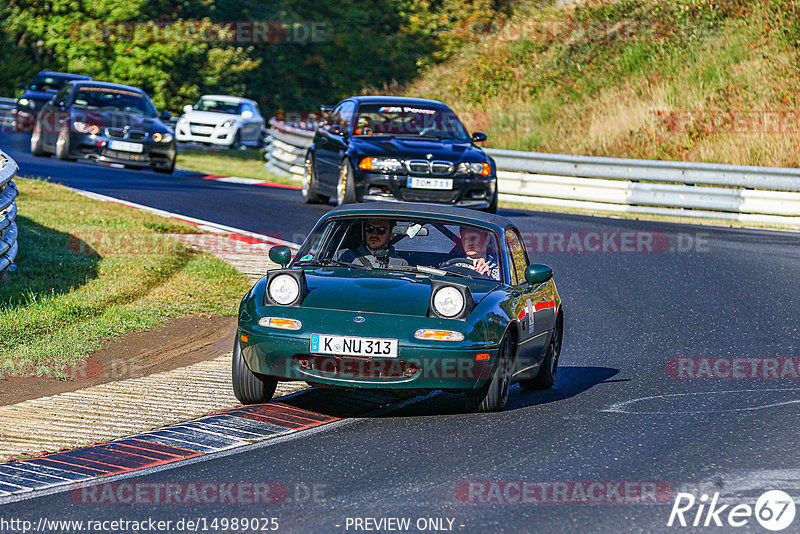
26 103
85 128
381 164
159 137
484 169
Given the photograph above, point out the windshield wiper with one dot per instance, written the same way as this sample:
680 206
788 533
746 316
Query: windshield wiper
425 270
324 262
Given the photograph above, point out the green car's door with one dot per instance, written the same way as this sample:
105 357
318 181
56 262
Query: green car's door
534 307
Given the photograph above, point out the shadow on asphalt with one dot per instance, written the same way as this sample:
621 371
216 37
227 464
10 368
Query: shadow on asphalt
570 381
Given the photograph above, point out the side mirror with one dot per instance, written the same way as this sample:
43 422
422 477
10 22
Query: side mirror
280 254
477 137
187 108
538 273
336 129
165 115
247 114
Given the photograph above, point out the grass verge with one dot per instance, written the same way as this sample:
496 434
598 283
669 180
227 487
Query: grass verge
226 162
88 270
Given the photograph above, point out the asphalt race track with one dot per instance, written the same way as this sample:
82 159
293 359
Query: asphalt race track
649 307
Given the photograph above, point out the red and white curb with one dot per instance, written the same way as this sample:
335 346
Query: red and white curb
247 181
208 226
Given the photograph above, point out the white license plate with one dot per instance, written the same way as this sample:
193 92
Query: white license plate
430 183
353 346
203 129
126 146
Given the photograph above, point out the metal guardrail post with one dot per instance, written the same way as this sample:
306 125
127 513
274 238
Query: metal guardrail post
8 211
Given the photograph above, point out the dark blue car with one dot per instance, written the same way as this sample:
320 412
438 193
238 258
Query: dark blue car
42 88
382 148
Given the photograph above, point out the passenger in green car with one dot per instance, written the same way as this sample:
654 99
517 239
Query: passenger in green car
375 250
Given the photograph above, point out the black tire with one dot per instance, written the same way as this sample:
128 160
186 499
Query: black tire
493 204
547 373
493 397
37 147
62 146
345 188
309 189
166 170
249 387
236 144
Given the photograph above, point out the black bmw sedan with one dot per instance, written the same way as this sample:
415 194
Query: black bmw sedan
381 148
37 93
105 122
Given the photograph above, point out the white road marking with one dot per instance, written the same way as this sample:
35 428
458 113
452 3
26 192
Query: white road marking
623 407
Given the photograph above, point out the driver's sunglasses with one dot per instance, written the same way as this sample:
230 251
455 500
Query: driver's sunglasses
380 230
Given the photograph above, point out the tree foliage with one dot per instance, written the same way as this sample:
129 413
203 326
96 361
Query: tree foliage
312 52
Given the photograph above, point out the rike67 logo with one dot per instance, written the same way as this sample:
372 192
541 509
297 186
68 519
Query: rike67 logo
774 510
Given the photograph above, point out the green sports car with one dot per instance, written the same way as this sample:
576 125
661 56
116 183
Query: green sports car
407 298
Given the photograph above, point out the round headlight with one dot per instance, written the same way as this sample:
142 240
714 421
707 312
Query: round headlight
284 289
227 124
24 101
448 301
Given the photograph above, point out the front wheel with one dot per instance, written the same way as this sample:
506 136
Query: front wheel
493 397
345 188
493 204
166 170
36 141
62 146
249 387
310 184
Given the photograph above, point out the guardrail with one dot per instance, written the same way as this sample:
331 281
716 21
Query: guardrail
8 211
750 195
7 107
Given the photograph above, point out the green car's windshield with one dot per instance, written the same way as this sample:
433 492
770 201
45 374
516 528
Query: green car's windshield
421 245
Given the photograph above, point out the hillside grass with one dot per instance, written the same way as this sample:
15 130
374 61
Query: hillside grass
691 80
89 270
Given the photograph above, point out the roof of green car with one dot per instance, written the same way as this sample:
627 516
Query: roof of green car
410 209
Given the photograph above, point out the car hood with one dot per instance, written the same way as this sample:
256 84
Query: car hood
40 97
412 148
210 117
115 119
379 291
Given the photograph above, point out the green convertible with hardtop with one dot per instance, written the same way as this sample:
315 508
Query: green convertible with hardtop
407 298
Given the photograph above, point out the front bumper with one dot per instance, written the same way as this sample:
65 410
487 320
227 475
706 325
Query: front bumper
219 136
96 147
419 365
467 192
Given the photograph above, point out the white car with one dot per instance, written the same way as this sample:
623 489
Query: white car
222 120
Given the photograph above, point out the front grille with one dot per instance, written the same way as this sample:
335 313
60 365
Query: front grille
121 133
439 168
419 167
429 195
358 367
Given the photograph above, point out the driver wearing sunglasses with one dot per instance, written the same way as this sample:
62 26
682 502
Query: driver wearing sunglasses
375 250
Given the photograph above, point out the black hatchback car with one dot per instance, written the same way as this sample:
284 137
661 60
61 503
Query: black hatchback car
38 93
105 122
382 148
